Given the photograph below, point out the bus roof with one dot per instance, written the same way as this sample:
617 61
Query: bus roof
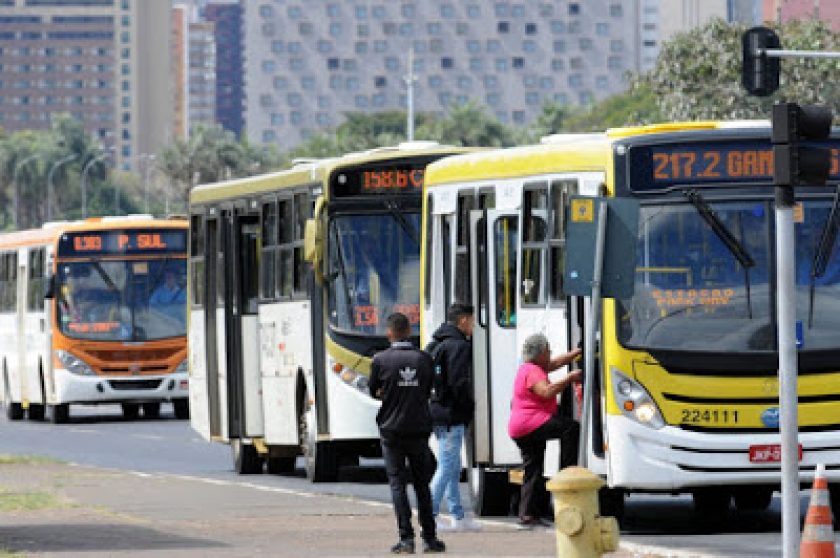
309 171
50 231
583 152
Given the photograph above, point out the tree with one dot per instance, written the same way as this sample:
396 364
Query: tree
469 124
698 73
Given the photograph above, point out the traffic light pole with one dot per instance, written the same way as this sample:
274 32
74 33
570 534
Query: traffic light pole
788 369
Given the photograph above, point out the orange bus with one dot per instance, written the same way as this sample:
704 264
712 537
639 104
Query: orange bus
94 312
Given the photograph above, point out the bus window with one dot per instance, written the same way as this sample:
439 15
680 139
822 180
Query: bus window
481 247
534 229
447 262
8 282
268 256
302 212
285 263
506 238
463 292
197 259
249 286
35 294
561 190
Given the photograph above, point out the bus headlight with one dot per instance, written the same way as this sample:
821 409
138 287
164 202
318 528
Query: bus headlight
183 368
350 377
635 402
74 364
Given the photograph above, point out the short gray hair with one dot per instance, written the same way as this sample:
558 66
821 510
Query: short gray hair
533 346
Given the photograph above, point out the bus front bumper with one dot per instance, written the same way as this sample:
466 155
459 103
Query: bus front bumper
73 388
673 459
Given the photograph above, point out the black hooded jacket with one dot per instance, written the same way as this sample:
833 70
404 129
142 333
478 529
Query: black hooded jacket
454 352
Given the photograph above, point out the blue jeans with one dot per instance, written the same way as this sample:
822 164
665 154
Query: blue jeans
448 471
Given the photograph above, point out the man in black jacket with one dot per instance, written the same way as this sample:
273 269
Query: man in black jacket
452 410
401 377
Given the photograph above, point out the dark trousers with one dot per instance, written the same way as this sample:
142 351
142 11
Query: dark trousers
532 447
410 459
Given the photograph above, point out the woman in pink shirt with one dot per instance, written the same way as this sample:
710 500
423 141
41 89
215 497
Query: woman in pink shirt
534 420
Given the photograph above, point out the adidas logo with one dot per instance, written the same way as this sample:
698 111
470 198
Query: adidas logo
409 377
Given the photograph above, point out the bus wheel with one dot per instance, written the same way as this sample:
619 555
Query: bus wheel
246 460
320 459
281 465
131 411
712 503
611 503
151 410
14 411
181 406
59 414
490 491
35 411
752 498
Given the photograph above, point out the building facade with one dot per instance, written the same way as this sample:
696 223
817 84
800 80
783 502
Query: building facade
786 10
309 62
202 74
105 62
227 18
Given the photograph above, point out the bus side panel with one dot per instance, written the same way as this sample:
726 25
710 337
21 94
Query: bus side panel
9 352
221 361
252 387
352 413
199 398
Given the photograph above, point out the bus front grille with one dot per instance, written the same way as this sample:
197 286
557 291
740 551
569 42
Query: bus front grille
134 384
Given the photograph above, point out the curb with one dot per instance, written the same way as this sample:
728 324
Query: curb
647 550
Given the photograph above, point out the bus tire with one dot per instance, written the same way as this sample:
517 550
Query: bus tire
752 498
181 407
59 414
246 460
14 411
281 465
320 458
130 411
490 491
712 503
611 503
151 410
35 412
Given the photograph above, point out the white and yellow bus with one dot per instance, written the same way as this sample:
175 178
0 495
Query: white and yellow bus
94 312
280 350
686 391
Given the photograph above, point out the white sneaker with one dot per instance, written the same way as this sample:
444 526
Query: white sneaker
443 525
468 523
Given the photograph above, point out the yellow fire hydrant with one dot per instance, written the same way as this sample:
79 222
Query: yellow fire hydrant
581 531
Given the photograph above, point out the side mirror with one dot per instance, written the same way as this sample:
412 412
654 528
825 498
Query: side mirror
49 291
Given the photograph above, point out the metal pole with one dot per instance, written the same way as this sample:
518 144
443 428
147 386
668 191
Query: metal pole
788 371
591 333
50 187
782 53
17 187
85 170
410 79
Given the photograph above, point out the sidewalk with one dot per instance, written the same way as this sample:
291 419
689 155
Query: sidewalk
54 509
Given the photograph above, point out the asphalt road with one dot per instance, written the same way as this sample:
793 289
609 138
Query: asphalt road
99 437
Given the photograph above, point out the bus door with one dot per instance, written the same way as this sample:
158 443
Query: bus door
494 248
213 326
242 277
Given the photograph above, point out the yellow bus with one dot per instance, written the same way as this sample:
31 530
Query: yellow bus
281 349
94 312
686 391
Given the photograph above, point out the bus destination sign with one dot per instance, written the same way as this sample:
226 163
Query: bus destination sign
121 242
370 180
708 164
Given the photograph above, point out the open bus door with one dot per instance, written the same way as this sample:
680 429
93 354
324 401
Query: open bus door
241 242
493 251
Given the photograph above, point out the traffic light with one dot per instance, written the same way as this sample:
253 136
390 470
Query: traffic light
795 164
760 73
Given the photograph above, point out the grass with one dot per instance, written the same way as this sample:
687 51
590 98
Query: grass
7 459
28 501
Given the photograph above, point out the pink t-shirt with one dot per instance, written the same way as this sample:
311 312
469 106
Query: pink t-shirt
529 411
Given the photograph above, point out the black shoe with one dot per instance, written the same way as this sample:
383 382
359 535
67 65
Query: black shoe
528 523
433 546
403 547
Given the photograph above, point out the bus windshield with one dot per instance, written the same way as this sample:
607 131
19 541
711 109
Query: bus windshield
374 270
119 300
692 293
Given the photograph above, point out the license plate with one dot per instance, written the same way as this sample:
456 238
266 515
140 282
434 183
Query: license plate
768 453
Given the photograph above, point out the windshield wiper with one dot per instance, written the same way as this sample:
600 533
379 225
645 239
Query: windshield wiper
825 248
396 211
339 255
729 240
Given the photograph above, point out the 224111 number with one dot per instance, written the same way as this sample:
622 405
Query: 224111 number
716 416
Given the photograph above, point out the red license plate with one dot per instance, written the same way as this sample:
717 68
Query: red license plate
768 453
